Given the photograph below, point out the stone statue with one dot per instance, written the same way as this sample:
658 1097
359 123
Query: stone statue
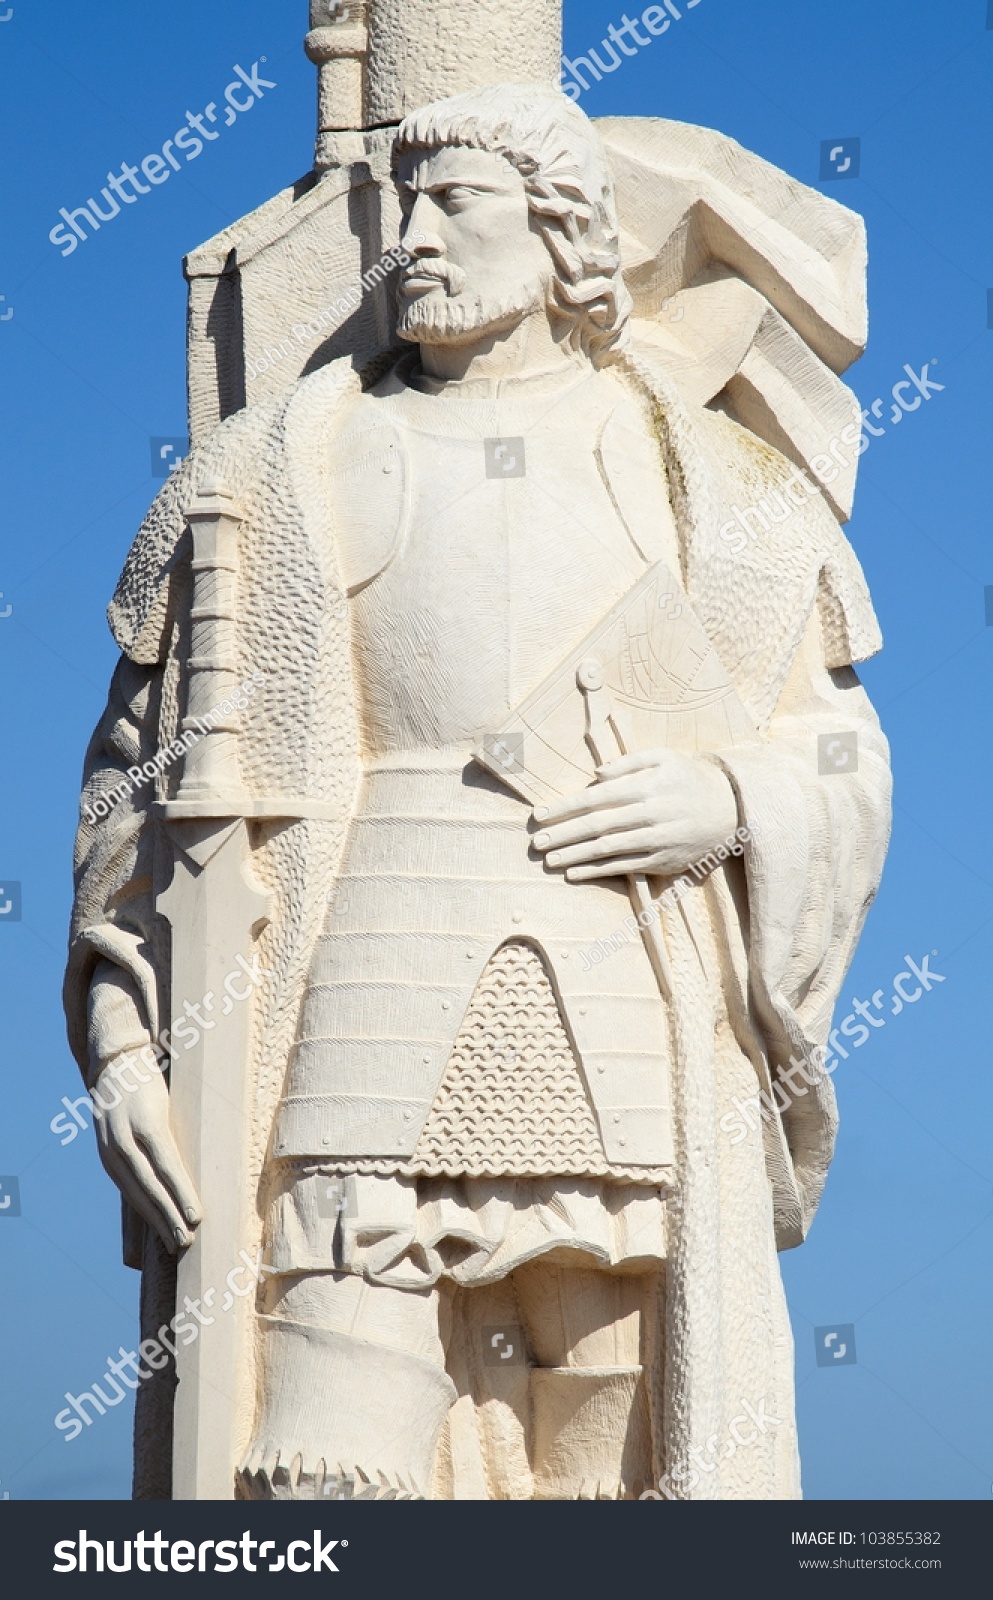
486 811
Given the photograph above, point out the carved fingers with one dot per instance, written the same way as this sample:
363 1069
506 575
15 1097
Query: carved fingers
608 823
135 1177
140 1154
656 812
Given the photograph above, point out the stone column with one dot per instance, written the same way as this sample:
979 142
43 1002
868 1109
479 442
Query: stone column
379 59
338 44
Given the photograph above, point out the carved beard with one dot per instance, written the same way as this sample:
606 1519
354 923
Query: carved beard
433 320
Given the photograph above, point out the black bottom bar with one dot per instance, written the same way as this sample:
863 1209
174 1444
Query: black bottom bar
508 1552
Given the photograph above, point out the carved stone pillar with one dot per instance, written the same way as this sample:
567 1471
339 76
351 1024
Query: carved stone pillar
379 59
338 45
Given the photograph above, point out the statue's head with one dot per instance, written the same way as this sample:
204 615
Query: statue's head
510 192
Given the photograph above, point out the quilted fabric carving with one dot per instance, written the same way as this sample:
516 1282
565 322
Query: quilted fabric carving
512 1100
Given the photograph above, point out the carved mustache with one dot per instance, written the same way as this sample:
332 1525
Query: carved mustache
451 277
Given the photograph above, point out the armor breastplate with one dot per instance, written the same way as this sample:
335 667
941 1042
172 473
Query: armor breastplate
480 586
480 538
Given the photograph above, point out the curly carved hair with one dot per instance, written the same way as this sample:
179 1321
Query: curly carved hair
569 189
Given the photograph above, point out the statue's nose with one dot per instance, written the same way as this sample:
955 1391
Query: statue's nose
419 242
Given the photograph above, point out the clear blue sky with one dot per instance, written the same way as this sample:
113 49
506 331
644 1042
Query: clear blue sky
93 367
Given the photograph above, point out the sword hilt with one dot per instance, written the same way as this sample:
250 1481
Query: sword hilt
211 769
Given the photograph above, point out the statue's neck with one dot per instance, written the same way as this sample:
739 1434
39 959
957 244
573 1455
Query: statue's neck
532 350
552 381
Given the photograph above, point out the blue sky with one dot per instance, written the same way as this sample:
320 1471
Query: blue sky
93 368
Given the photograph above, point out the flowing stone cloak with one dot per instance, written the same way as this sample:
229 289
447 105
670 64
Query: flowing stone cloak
789 616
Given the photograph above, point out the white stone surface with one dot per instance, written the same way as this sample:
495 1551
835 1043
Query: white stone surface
746 286
516 526
378 60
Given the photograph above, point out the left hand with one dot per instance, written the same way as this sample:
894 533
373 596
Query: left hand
657 811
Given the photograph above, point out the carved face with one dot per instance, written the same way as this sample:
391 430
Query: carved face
481 264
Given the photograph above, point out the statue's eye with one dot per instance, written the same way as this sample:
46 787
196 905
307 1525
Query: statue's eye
460 194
